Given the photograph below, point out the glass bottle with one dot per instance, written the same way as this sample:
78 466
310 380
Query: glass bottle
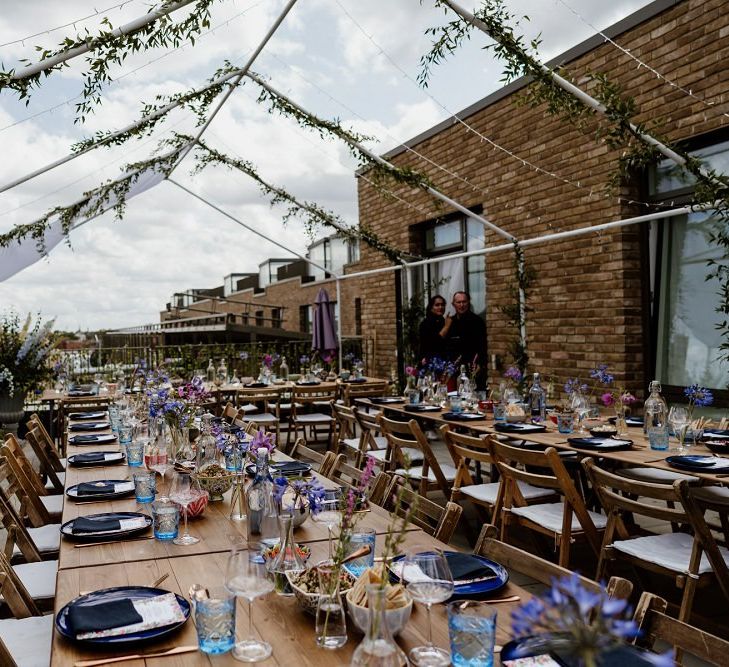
207 445
222 373
411 393
287 558
331 625
655 417
464 383
262 527
211 372
283 370
537 400
378 648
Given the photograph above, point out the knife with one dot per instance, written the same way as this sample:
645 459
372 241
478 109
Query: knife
136 656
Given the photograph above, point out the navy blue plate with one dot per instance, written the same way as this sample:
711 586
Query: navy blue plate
479 589
463 416
629 421
532 647
101 414
71 491
67 528
90 426
423 408
695 463
91 439
118 457
715 434
520 427
601 444
112 595
384 400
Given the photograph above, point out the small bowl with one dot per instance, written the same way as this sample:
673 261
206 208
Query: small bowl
308 601
604 431
396 619
269 553
718 446
215 485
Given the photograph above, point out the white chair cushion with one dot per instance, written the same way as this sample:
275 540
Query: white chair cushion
46 538
449 472
28 639
716 494
248 407
63 462
38 578
262 418
381 442
53 504
549 516
61 478
486 493
411 452
654 475
669 550
314 418
352 443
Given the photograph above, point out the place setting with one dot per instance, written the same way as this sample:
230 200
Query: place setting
108 526
81 416
82 439
96 459
90 426
103 489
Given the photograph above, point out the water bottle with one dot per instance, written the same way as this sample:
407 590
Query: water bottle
655 418
283 370
211 372
464 384
537 400
262 512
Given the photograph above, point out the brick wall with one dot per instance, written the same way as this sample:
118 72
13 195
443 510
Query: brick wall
587 300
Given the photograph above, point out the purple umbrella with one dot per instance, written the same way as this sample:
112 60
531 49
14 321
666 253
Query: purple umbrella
325 334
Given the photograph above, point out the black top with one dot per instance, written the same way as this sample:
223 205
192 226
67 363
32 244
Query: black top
432 344
466 343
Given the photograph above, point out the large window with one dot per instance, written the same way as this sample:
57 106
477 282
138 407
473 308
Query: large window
332 254
684 302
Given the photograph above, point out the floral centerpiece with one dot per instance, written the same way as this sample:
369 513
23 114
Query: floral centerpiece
698 397
23 353
298 496
615 397
570 619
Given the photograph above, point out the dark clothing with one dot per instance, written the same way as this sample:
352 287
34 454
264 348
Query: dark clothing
432 344
466 343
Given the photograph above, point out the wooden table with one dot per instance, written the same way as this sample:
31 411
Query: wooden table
639 455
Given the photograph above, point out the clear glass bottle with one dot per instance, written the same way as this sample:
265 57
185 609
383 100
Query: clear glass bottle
283 370
207 446
378 648
411 393
537 400
222 373
331 625
287 558
262 526
655 417
211 372
464 383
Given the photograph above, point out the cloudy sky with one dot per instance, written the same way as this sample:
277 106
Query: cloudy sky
349 59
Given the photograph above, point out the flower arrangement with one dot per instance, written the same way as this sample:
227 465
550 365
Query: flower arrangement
23 353
261 440
178 406
305 492
571 619
269 360
698 397
440 369
617 397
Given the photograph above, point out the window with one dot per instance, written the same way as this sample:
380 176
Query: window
276 316
358 317
683 301
305 319
331 254
259 318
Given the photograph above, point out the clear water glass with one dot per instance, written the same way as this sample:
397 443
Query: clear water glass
144 486
331 624
184 493
565 422
472 631
166 518
125 433
135 454
365 537
215 621
330 512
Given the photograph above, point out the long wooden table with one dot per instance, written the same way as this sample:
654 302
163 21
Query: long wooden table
640 454
278 619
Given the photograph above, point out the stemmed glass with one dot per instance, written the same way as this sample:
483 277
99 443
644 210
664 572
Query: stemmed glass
330 512
429 580
183 493
678 418
580 404
158 459
247 577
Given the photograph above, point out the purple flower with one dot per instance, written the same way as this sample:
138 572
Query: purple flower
601 375
303 360
573 385
607 399
698 396
411 371
514 374
243 356
262 440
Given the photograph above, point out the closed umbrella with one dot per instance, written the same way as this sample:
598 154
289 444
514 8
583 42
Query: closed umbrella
325 333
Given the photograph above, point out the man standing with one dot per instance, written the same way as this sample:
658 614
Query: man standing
466 342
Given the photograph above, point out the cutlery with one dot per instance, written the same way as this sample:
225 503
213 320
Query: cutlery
159 580
96 544
511 598
359 553
136 656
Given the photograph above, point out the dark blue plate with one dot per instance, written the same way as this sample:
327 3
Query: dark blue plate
72 493
90 426
384 400
355 381
463 416
118 458
101 414
601 444
479 589
519 427
67 528
715 434
91 439
532 647
695 463
114 594
629 421
423 408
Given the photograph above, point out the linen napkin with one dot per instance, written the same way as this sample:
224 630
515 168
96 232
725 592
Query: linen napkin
102 616
465 567
95 488
83 525
90 457
89 426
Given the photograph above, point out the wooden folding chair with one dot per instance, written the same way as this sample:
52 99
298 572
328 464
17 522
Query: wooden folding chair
351 391
655 625
564 520
677 555
230 413
322 463
540 569
430 475
440 522
345 430
305 411
467 451
79 404
37 443
24 543
264 402
349 476
57 463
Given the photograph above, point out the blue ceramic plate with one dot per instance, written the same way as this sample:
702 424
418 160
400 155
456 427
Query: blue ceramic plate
384 400
695 463
715 434
601 444
520 427
423 408
67 528
91 439
479 589
111 458
463 416
112 595
72 491
90 426
102 414
629 421
532 647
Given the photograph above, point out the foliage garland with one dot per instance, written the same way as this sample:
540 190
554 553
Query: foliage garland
614 127
109 48
516 311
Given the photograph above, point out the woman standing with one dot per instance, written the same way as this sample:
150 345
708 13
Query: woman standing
434 329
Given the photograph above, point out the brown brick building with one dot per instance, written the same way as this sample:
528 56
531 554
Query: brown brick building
628 297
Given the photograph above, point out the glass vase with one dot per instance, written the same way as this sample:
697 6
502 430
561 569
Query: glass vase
620 423
181 447
287 559
262 524
331 626
378 648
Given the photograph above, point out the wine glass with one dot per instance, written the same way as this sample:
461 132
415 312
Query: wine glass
157 458
580 404
429 580
183 493
678 418
329 512
246 577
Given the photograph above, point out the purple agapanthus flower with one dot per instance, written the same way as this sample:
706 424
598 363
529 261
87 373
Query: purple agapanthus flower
574 385
514 374
304 359
243 356
698 396
600 373
261 440
310 490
